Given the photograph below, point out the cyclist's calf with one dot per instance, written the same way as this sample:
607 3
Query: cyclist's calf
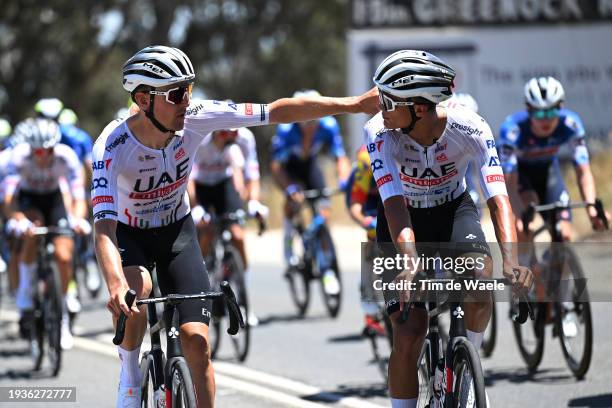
478 303
139 279
196 348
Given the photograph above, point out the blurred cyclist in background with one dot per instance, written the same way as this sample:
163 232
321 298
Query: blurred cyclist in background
294 166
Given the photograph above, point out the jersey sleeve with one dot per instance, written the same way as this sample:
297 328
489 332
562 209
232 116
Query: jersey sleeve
13 169
234 156
577 143
74 171
205 116
280 142
487 162
334 137
246 141
508 138
382 162
104 183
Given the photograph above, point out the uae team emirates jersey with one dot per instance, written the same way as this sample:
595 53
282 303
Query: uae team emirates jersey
147 188
433 175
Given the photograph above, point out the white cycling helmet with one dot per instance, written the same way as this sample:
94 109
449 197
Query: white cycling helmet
157 66
414 74
543 93
463 99
68 117
49 108
38 133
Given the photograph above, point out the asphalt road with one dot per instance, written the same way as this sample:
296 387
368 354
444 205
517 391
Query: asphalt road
315 361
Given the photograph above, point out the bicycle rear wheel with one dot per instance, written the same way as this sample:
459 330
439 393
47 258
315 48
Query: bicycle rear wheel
234 271
183 393
530 337
53 306
468 389
327 262
573 316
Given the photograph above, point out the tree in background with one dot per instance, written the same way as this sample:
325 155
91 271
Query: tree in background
255 50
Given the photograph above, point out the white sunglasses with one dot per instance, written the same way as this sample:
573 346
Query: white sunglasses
389 104
175 95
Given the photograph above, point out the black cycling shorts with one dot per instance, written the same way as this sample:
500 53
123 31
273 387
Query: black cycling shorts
175 252
448 230
547 182
51 205
221 198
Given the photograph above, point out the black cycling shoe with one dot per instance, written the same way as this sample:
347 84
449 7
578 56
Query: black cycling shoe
25 323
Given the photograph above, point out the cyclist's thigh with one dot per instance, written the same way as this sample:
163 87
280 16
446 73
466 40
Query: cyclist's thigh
56 210
31 205
556 190
231 201
208 196
185 273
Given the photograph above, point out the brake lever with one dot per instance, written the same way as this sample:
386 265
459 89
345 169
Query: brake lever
236 320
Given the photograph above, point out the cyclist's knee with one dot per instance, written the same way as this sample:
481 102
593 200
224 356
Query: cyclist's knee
195 341
237 232
476 264
566 231
139 279
408 337
63 250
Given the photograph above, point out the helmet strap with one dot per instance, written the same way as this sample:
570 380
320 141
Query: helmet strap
149 114
414 120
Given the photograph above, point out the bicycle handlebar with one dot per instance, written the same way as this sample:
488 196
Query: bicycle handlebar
236 319
52 230
325 192
529 213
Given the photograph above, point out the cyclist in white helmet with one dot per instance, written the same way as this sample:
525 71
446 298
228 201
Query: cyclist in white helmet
32 197
419 153
143 164
529 142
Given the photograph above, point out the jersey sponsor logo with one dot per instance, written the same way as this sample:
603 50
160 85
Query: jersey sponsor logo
101 164
146 204
146 170
118 141
494 161
384 180
377 164
181 171
146 157
178 144
440 147
180 154
412 148
102 199
467 129
158 192
441 157
490 143
164 207
428 177
248 109
100 182
375 146
233 106
103 214
195 109
495 178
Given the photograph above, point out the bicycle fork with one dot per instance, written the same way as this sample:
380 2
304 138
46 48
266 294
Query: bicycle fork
173 348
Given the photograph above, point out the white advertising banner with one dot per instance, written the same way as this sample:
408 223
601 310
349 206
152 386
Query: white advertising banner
493 64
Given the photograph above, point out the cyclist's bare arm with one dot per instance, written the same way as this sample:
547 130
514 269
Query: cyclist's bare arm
253 188
586 183
191 191
280 175
288 110
109 261
79 208
356 214
400 225
513 191
343 167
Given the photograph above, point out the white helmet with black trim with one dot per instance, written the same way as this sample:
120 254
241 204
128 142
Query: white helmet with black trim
413 74
38 133
543 93
49 108
157 66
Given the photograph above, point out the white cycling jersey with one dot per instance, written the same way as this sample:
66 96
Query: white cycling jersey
431 176
213 165
25 174
146 188
246 142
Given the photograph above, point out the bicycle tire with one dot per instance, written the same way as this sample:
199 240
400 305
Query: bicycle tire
490 335
332 301
466 356
183 393
581 305
532 358
235 267
53 318
298 277
214 335
424 374
148 379
37 330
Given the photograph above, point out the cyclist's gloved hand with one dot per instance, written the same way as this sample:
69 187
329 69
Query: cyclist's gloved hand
18 227
292 189
256 208
199 214
79 225
369 222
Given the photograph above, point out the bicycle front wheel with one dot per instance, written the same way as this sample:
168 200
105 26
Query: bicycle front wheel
53 305
490 334
468 389
235 275
183 393
573 316
298 276
329 272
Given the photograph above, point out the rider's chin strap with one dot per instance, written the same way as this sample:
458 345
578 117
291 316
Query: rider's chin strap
414 117
149 114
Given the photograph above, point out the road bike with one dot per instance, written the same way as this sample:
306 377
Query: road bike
562 298
313 258
166 379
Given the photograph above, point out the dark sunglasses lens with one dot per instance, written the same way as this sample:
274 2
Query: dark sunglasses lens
176 95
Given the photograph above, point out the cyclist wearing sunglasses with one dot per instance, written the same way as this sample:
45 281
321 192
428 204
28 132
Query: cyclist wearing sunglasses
141 206
419 152
529 142
33 196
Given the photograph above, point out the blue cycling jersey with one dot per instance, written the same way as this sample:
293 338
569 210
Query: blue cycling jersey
78 140
288 140
517 143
